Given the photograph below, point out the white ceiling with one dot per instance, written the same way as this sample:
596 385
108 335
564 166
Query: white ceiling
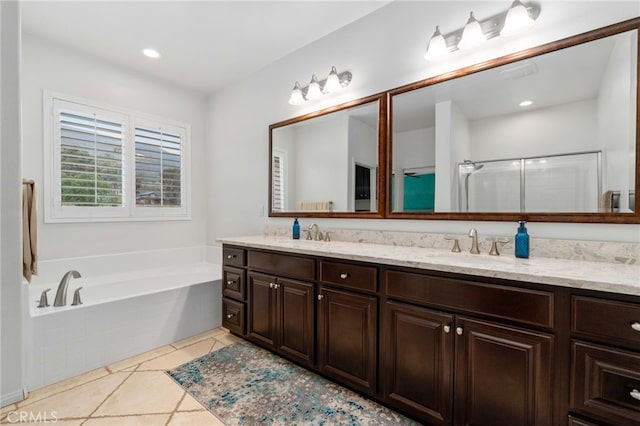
204 45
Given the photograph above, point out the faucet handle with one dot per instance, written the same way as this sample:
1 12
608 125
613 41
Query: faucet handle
308 237
44 301
456 244
327 237
494 246
76 297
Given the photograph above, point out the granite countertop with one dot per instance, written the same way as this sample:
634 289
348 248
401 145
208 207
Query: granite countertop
610 277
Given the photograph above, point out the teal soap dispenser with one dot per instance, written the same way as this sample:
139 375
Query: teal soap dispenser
296 229
522 241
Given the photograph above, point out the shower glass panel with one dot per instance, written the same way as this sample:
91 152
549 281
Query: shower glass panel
568 183
559 183
489 186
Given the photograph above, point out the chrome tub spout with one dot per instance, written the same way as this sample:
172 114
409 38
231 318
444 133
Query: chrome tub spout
61 293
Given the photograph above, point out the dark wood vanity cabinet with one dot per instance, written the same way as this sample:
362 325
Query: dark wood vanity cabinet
234 289
605 360
445 349
449 368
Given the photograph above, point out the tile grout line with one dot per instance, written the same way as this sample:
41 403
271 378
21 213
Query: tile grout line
111 393
184 394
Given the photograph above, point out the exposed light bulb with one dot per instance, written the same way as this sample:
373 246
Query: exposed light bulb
333 82
314 92
151 53
437 46
297 97
525 103
472 34
517 20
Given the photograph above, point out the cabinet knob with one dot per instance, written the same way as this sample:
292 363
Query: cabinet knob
320 296
231 256
271 285
635 326
344 276
276 286
229 316
447 328
635 394
459 331
230 282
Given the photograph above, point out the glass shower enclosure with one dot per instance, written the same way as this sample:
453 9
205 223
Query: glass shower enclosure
557 183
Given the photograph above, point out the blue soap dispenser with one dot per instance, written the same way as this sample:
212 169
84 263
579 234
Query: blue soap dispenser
522 241
296 229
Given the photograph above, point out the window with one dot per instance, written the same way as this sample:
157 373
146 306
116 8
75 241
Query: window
278 167
109 164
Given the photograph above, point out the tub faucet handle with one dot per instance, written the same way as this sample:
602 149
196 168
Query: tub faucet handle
76 297
44 301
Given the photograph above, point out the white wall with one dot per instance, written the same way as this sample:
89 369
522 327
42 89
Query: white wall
48 66
283 140
616 130
11 346
383 50
363 150
413 148
460 149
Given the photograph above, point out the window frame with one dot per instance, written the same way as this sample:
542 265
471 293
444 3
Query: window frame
54 212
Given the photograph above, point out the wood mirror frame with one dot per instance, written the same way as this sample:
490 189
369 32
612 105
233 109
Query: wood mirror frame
381 152
605 217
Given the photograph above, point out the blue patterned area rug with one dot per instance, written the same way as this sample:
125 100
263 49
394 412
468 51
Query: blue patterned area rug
242 384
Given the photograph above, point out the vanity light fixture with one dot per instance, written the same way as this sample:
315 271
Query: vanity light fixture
472 34
517 19
333 83
151 53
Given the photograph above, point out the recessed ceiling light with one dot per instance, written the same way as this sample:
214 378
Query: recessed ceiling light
525 103
151 53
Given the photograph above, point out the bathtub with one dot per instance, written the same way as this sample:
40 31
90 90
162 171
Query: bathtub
123 314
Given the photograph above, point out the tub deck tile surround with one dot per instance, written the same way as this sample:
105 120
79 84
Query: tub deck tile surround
591 275
135 391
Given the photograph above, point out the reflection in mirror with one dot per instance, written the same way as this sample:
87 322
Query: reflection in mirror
327 163
550 133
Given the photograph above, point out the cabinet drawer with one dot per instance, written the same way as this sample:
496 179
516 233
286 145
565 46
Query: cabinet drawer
606 319
605 382
233 283
234 256
283 264
520 304
233 315
574 421
349 275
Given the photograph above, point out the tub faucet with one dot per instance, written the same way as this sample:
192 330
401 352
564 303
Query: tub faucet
61 293
473 234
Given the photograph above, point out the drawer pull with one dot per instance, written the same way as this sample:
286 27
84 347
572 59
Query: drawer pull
344 276
635 394
231 256
635 326
320 296
459 331
229 316
447 329
230 282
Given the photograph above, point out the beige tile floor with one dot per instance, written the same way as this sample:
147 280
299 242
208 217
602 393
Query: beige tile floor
135 391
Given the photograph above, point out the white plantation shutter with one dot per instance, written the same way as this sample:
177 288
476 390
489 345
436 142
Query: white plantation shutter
90 160
110 164
158 167
277 181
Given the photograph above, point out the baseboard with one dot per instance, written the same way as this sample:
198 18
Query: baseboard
10 398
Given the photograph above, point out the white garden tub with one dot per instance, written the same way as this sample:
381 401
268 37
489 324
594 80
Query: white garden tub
122 314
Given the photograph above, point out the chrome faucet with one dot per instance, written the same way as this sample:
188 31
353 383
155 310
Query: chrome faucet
61 293
317 235
473 234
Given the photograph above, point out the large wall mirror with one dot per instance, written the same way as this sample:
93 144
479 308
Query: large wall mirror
329 163
549 136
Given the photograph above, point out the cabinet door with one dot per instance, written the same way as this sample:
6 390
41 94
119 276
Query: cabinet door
417 361
262 306
296 319
503 375
347 338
